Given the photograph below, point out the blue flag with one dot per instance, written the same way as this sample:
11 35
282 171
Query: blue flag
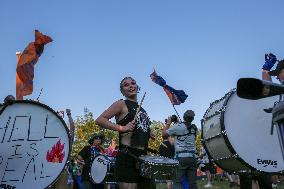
176 96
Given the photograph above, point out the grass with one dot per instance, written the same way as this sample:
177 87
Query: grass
216 184
221 184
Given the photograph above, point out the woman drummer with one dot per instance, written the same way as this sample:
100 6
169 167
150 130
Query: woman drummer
134 133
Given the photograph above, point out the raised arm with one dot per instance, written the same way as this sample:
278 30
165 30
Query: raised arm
115 110
266 76
71 123
167 126
270 60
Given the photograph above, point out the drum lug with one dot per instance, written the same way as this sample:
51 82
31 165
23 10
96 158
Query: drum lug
209 138
236 156
229 157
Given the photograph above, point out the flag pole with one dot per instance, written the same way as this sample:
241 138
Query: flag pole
19 95
177 113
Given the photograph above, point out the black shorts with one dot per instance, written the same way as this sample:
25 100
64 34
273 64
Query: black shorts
209 167
126 166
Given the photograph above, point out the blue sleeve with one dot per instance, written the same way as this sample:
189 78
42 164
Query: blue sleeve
173 130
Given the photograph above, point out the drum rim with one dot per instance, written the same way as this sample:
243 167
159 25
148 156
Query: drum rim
60 118
176 162
226 139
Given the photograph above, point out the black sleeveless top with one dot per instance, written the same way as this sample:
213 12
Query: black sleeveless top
141 133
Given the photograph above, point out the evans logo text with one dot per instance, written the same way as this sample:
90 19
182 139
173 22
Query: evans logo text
266 162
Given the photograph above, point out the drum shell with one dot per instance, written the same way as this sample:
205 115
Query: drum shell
217 146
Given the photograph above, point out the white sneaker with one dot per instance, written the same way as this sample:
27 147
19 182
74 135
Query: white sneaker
208 185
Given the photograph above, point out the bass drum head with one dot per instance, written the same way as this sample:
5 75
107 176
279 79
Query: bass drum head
248 129
34 145
99 169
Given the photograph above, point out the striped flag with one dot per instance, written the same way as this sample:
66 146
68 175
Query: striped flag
176 96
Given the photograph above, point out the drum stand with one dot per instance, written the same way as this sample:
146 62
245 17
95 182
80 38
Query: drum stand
278 120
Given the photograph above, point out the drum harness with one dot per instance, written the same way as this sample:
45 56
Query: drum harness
187 153
270 110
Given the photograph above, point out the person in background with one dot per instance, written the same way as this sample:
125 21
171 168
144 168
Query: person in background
185 134
71 125
167 148
8 99
86 157
264 179
233 179
112 149
207 166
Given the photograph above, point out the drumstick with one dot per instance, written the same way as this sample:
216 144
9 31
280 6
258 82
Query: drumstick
155 129
164 145
139 107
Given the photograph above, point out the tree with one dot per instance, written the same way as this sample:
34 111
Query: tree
198 141
157 127
85 127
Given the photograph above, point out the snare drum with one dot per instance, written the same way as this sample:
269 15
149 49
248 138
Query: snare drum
236 134
34 145
157 167
102 169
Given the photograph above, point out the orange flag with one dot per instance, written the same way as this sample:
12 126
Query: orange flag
26 62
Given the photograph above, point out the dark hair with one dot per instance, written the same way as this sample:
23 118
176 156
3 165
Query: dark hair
174 118
96 136
121 82
188 119
9 99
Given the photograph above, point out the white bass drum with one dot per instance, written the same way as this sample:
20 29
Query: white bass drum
34 145
236 135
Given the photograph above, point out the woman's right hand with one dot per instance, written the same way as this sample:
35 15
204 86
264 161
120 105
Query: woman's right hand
128 127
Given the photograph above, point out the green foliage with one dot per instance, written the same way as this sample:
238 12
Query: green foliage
156 127
85 127
198 142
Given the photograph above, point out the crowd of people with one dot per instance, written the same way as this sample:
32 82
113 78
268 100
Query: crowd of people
133 126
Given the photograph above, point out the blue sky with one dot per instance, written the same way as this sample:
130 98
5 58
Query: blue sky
202 47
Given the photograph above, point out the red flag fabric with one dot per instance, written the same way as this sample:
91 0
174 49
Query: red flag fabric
27 61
